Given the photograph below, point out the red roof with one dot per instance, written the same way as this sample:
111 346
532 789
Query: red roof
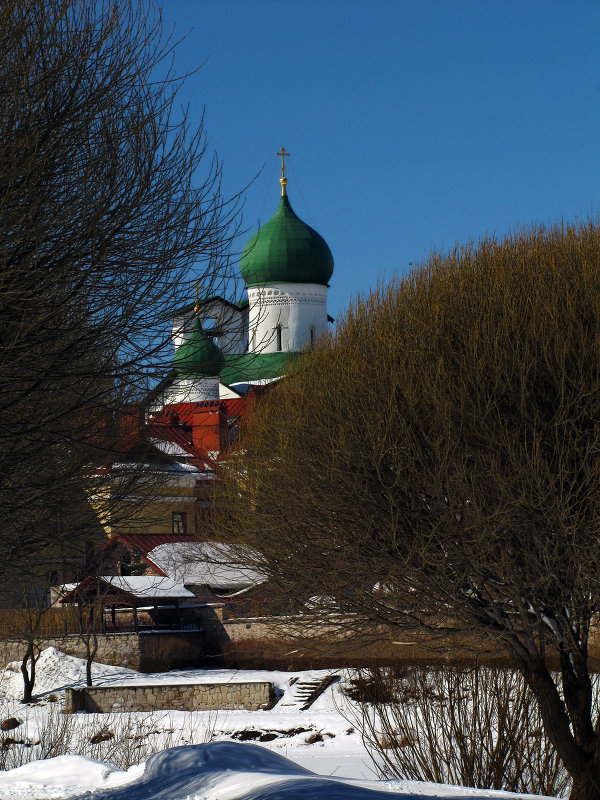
175 423
182 436
144 542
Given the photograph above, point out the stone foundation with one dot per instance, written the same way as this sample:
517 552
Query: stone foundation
152 651
180 697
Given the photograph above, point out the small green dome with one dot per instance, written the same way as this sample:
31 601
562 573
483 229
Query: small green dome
198 356
286 250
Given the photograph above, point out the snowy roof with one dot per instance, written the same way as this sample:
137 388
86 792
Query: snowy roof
175 466
147 586
170 448
220 566
134 587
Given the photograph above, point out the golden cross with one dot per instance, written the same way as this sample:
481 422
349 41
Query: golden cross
197 303
283 180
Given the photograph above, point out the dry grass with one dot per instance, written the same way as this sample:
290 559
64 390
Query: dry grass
119 739
419 649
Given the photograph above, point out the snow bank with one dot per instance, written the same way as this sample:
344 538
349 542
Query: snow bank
71 773
54 672
215 771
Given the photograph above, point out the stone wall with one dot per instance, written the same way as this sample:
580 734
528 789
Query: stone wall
150 651
241 630
181 697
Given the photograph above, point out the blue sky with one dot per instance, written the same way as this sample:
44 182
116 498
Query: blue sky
411 124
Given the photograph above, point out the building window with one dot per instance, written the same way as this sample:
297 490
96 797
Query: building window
278 335
179 522
312 337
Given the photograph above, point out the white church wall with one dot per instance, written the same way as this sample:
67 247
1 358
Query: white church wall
182 328
191 390
230 326
299 308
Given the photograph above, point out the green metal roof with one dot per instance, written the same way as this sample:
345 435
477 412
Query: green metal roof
198 356
286 250
256 366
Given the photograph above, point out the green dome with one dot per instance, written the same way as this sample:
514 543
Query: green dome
286 250
198 356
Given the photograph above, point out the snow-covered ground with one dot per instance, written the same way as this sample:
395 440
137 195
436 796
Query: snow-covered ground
282 753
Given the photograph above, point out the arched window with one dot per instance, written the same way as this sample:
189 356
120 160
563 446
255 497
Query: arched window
278 338
312 336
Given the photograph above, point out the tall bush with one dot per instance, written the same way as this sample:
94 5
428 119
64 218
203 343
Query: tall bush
435 466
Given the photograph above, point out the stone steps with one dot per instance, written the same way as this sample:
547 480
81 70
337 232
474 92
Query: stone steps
306 692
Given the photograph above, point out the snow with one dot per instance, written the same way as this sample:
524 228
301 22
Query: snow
62 773
55 671
288 753
140 586
147 586
177 466
219 566
215 771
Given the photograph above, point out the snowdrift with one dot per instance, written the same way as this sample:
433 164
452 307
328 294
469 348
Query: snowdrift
215 771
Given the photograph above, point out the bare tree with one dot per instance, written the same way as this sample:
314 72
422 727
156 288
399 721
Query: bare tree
110 208
89 615
470 726
436 467
28 620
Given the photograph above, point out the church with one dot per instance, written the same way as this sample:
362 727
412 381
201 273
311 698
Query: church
225 355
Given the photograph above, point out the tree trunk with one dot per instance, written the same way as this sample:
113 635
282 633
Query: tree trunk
28 675
92 649
582 763
587 786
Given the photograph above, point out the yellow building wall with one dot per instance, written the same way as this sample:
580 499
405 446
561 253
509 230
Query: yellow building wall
150 505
